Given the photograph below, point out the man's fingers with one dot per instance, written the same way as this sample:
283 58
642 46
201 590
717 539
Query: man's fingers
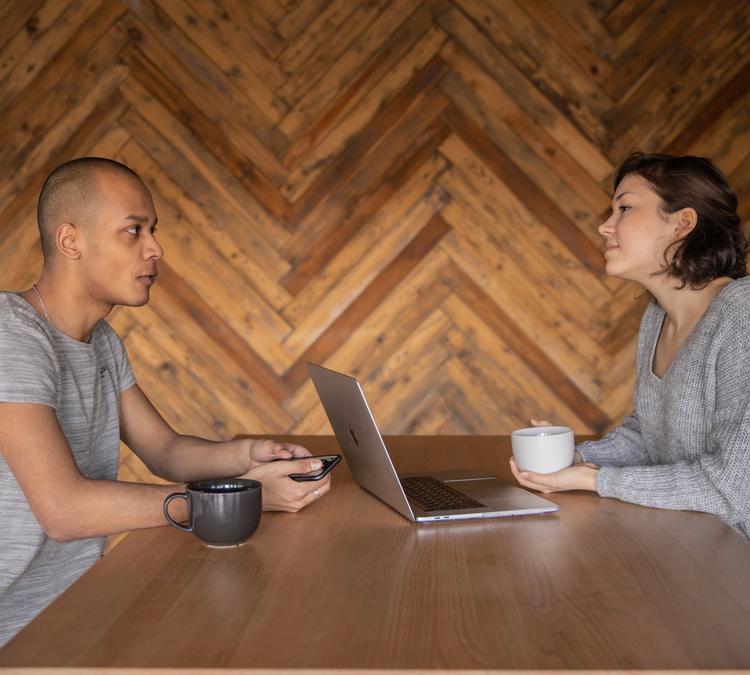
297 450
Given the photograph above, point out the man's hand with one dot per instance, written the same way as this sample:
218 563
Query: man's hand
577 477
281 493
263 450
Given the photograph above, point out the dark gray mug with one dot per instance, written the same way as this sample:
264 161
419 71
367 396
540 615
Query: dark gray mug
222 511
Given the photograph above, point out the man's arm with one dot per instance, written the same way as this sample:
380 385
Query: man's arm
67 504
187 458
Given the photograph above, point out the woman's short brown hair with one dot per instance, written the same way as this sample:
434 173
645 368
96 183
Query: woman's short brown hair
716 247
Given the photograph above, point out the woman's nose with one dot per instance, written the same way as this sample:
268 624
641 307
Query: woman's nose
607 227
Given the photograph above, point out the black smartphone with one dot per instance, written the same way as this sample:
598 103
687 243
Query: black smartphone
329 461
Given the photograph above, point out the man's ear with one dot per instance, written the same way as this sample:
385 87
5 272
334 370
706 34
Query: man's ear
687 219
67 240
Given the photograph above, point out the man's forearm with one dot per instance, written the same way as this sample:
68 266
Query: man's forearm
95 508
188 458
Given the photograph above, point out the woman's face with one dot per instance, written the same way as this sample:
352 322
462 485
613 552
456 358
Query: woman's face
637 233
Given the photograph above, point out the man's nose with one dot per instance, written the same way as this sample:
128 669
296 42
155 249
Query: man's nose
153 249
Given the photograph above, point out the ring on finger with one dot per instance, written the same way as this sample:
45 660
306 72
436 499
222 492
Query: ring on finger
316 492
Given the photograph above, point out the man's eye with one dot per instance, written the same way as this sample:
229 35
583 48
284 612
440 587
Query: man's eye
134 229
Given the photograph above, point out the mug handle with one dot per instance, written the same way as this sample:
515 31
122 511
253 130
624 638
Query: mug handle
170 520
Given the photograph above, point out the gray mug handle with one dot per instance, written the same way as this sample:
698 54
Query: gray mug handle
170 520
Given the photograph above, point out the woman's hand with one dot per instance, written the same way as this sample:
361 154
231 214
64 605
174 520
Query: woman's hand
281 493
581 476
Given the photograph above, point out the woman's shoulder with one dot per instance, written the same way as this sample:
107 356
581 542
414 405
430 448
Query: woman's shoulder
733 302
730 310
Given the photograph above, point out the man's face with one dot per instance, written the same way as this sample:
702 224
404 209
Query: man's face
119 251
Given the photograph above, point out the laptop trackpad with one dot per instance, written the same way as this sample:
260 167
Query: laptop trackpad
493 492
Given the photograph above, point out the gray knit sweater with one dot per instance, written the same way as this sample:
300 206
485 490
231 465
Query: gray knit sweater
687 444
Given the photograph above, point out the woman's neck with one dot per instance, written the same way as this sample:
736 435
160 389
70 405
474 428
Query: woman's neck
685 306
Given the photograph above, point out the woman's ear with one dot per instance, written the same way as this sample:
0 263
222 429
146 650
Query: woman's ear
686 220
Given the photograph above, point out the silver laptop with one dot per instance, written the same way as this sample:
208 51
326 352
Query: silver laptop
457 495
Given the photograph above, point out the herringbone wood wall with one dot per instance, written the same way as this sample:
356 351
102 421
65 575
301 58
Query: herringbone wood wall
404 190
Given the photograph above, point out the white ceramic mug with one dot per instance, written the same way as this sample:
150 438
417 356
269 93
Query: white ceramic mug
543 449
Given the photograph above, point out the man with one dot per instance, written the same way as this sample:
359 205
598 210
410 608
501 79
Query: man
67 397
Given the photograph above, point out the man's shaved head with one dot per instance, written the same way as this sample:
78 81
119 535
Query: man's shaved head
71 194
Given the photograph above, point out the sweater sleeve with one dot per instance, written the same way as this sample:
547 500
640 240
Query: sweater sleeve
621 447
717 481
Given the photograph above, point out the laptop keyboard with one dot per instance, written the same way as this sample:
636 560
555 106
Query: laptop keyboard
430 494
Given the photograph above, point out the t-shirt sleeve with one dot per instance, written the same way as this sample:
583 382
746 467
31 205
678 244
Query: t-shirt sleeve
29 372
125 377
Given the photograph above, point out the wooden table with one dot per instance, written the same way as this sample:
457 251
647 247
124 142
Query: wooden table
349 583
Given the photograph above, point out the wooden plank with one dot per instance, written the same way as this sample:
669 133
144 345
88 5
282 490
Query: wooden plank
299 14
66 80
235 404
44 34
257 20
546 368
543 67
321 29
251 261
723 51
16 17
418 100
720 129
580 186
636 66
330 76
383 332
422 161
376 292
518 232
528 98
406 52
214 30
472 251
187 307
551 21
222 175
377 247
71 138
214 279
517 177
41 158
185 65
257 175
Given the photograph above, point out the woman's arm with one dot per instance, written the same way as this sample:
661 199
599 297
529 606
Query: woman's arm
621 447
717 481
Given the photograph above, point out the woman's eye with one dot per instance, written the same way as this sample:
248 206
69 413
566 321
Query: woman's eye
624 208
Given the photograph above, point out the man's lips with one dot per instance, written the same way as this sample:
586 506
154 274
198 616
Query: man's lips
147 279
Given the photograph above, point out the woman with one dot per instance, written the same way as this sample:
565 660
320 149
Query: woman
674 229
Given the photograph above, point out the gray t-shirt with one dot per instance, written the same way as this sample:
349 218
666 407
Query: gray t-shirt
82 382
686 445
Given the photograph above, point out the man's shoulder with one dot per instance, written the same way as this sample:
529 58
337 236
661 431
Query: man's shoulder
18 317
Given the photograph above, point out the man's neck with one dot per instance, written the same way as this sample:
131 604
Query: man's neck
67 306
